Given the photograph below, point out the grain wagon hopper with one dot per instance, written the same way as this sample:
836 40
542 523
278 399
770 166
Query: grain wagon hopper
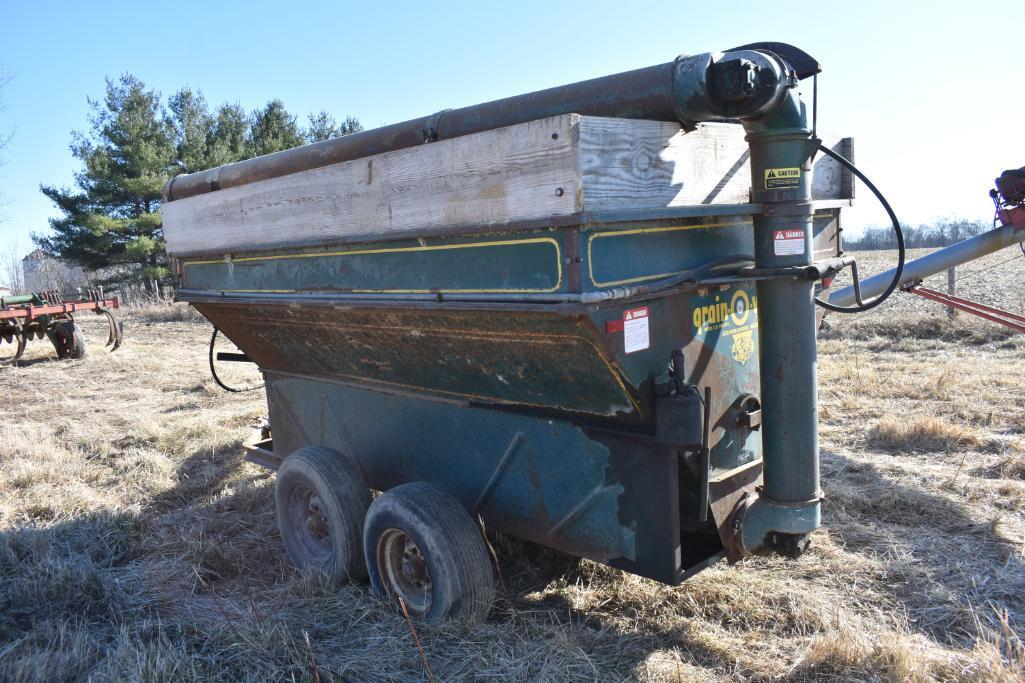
48 314
584 316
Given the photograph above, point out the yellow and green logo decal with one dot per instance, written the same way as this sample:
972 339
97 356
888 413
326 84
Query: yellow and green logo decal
731 315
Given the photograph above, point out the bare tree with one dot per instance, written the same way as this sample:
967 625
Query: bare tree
12 276
5 78
5 136
60 275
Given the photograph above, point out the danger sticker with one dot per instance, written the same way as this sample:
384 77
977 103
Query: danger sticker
635 329
782 178
788 242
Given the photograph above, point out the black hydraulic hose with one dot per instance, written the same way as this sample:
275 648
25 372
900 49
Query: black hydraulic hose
213 370
901 252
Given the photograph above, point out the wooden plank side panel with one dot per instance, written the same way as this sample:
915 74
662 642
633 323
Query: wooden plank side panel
633 165
554 167
521 172
830 180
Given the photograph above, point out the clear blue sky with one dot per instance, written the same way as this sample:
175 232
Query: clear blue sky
931 91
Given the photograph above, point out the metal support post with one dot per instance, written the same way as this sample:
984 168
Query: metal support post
952 290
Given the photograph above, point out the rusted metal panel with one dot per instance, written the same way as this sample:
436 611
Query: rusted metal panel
725 491
540 360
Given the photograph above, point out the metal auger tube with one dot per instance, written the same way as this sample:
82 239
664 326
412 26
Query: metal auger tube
787 508
936 262
739 83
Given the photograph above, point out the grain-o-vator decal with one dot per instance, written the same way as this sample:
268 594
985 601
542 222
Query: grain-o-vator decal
583 316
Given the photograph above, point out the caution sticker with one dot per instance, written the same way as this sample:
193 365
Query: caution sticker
788 242
635 329
782 178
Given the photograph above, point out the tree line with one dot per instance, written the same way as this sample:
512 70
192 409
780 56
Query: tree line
942 233
135 142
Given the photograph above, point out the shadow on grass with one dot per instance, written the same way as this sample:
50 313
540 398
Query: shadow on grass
198 574
27 362
71 590
947 570
945 566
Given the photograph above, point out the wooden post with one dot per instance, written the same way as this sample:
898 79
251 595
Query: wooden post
952 291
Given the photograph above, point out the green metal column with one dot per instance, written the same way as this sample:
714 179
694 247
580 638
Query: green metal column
787 508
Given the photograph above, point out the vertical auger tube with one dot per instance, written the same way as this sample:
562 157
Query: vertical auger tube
787 508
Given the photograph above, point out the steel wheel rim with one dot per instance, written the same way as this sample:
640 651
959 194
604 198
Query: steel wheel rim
404 571
308 524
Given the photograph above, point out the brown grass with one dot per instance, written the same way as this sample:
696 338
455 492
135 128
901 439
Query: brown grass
921 433
135 544
162 312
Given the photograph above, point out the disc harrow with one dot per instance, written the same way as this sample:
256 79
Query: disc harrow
48 315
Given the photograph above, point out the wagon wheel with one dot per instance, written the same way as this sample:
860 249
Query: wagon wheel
68 340
322 500
423 548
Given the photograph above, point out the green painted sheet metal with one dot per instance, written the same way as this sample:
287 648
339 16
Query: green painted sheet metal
438 389
525 263
548 261
614 499
628 255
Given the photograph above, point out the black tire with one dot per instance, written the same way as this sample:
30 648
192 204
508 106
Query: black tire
322 500
68 340
414 527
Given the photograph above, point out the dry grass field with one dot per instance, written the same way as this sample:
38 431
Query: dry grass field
136 545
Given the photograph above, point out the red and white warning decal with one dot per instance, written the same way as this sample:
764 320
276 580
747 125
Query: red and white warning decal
635 329
788 242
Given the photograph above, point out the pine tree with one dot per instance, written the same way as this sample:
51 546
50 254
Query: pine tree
273 129
127 156
193 130
132 148
323 127
230 131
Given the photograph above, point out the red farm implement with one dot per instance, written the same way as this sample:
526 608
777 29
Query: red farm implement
47 314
